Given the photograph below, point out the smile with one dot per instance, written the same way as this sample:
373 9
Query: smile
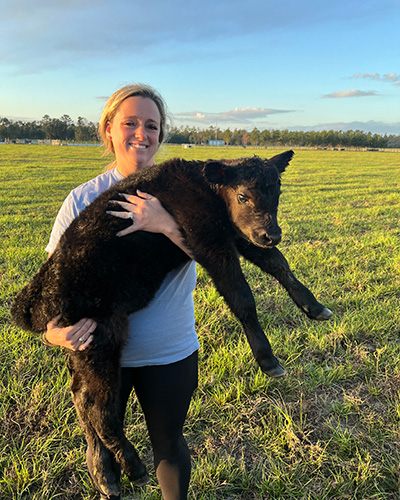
138 146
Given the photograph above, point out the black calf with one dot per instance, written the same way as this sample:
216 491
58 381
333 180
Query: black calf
222 208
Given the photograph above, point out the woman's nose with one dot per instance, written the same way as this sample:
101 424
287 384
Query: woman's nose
140 132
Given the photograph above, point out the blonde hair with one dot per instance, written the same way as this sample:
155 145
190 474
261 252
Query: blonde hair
113 103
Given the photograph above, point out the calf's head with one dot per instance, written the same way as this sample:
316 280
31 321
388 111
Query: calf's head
250 188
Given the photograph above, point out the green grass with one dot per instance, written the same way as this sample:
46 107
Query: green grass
330 429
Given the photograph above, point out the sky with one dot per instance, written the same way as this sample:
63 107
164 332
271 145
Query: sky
288 64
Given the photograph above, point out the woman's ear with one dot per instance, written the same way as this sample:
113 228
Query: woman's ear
108 131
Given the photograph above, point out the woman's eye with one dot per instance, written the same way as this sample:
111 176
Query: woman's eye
153 127
242 198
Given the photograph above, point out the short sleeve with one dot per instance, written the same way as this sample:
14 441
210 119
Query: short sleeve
65 216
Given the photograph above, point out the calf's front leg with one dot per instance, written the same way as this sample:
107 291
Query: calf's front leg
271 261
229 280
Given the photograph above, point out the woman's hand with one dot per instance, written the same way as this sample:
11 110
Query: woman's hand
75 337
149 215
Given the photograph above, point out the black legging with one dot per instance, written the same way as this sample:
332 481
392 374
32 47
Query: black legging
164 393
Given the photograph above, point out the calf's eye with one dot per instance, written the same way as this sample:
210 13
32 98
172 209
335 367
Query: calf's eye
242 198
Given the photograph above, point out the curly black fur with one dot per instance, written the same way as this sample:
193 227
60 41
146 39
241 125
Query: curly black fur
95 274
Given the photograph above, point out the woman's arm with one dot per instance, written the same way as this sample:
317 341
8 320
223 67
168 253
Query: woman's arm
149 215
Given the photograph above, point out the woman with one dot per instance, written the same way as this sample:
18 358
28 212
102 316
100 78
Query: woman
160 358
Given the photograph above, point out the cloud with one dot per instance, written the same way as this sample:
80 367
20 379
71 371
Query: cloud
387 77
351 93
206 119
372 126
235 116
62 34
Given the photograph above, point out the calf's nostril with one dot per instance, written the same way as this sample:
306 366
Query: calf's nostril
273 239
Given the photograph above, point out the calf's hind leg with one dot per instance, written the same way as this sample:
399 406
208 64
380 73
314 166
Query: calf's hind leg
103 469
95 389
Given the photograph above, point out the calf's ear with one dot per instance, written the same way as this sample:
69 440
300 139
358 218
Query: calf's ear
281 161
216 172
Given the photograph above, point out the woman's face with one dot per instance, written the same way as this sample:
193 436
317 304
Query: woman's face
134 131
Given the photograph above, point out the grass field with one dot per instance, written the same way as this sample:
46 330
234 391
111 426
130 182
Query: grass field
330 429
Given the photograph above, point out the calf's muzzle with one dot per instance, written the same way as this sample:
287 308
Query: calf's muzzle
273 238
267 238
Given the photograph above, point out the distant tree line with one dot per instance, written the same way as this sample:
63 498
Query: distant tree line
65 129
265 138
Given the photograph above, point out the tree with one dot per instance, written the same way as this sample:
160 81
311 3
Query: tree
245 138
265 138
275 136
283 137
255 137
227 136
70 127
46 125
85 131
4 127
81 130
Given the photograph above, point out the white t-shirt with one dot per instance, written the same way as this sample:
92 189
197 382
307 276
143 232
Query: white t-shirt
164 331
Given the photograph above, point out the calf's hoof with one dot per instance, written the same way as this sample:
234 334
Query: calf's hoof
324 314
141 481
276 372
139 475
317 312
108 490
271 367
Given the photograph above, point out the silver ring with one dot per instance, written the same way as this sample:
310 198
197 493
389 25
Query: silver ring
130 215
81 340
